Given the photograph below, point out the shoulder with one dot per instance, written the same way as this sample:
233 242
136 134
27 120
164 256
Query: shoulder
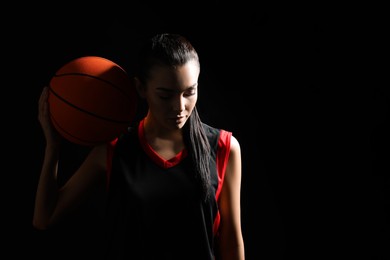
130 135
224 136
226 141
235 145
216 132
233 170
209 130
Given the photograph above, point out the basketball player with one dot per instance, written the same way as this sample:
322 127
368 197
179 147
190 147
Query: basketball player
172 182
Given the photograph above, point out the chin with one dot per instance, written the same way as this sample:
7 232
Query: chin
179 126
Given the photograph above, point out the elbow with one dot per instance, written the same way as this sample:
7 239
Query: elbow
39 225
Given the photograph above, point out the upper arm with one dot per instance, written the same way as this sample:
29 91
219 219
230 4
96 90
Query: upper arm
229 202
89 179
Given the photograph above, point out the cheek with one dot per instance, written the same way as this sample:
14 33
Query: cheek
191 103
153 102
158 104
193 100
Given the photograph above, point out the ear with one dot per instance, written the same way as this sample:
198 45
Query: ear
139 87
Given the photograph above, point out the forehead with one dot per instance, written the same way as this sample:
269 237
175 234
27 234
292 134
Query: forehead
173 77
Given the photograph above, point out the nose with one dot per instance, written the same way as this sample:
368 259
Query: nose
178 103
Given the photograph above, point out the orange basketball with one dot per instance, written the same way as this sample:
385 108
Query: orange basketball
92 100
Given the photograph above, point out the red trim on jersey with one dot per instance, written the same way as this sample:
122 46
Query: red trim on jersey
152 153
223 153
222 158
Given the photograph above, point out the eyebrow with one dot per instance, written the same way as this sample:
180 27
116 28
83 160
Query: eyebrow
174 90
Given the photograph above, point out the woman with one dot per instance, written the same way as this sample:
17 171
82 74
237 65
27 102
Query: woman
172 182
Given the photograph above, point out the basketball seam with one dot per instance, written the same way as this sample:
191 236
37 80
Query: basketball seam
83 141
86 111
97 78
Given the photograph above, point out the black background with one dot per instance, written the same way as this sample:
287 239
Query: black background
292 82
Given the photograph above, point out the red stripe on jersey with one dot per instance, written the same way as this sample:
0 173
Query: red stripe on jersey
152 153
222 161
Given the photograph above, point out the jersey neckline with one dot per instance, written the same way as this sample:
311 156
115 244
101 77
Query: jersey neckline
154 155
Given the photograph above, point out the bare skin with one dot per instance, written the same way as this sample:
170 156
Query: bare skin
171 94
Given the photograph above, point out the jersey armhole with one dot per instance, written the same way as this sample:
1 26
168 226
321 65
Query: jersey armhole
222 159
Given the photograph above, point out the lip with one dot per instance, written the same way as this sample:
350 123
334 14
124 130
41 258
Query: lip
177 119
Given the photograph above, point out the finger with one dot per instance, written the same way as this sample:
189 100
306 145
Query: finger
43 103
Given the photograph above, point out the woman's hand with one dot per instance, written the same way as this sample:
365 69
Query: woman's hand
51 135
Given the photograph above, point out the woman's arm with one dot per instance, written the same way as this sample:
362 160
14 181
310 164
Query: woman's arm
52 203
231 243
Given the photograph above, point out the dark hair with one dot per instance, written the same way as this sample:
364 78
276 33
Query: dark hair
175 50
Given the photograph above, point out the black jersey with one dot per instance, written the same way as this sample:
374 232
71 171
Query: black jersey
155 210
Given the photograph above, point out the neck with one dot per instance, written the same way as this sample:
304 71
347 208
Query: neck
154 130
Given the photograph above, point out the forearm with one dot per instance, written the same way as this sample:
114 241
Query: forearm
230 242
234 252
47 190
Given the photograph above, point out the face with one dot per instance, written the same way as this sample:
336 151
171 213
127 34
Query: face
171 94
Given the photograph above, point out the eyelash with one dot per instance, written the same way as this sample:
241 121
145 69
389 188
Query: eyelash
186 95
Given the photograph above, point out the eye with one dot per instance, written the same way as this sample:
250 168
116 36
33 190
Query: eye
165 94
190 92
165 97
